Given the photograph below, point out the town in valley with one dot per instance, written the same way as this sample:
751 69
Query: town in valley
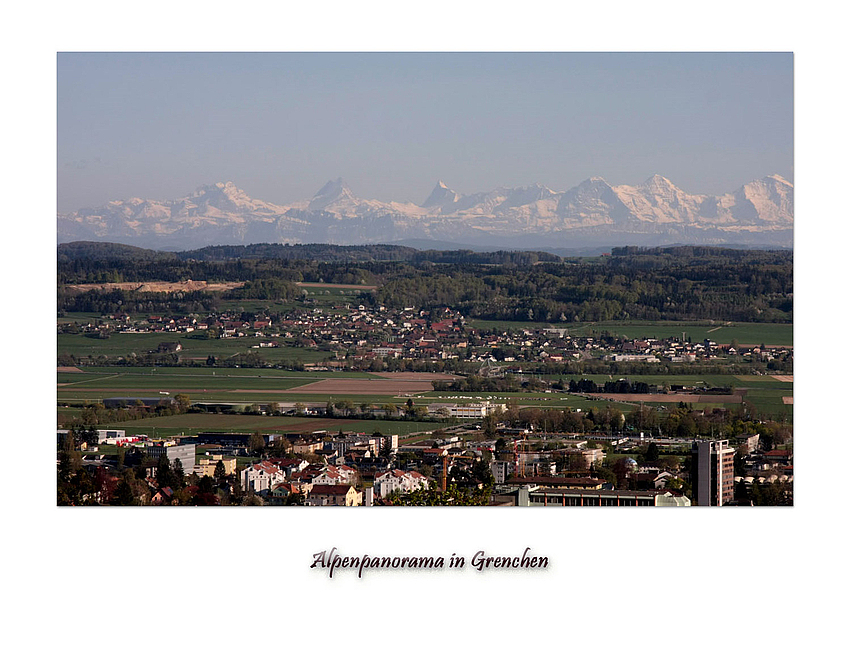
324 390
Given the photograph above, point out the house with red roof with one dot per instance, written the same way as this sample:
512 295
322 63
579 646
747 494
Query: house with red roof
335 475
334 495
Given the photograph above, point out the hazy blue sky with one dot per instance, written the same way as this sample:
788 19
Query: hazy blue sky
280 125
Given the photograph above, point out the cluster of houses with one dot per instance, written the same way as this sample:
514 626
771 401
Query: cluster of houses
763 466
276 480
357 469
365 334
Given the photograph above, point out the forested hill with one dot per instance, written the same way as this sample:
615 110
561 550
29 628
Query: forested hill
366 253
683 283
641 284
99 251
307 252
689 252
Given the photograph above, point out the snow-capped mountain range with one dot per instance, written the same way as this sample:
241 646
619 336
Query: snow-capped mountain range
655 212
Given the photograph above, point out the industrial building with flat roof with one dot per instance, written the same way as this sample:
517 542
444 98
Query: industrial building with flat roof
536 496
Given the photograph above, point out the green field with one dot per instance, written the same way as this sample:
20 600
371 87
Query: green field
186 378
330 298
764 392
246 385
79 318
192 424
225 372
268 385
720 332
122 344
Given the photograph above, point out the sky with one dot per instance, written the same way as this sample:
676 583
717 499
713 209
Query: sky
280 125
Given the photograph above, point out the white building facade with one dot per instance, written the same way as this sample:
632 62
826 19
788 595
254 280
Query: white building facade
398 480
261 477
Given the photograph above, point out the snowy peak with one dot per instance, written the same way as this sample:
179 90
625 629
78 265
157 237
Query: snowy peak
525 196
440 196
593 181
531 193
658 200
772 181
655 211
219 187
593 188
221 195
336 187
220 200
593 202
778 179
334 191
659 183
769 200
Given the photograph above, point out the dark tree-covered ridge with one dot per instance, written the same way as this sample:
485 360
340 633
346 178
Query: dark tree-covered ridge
311 251
683 283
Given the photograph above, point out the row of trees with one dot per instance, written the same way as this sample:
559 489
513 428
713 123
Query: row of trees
683 421
97 414
587 386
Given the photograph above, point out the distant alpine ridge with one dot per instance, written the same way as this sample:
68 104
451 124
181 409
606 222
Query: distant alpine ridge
657 212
